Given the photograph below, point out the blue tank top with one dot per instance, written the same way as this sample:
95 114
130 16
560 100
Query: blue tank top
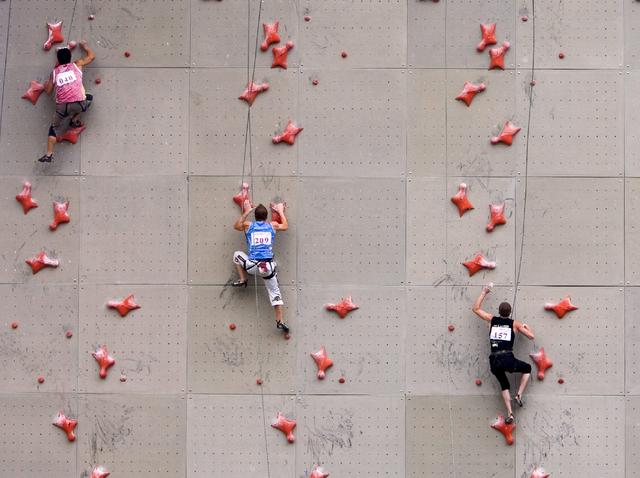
260 237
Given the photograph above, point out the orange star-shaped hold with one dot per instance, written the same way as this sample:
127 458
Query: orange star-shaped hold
539 473
285 425
497 56
41 261
469 91
562 307
271 35
55 35
322 361
318 472
280 55
99 472
66 424
60 214
488 36
478 263
34 92
72 134
496 216
542 362
343 307
25 198
242 199
461 200
277 211
105 361
505 428
288 135
123 306
251 92
509 130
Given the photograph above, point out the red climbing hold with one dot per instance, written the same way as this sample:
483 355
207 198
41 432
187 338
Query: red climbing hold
285 425
123 377
322 361
232 326
98 81
40 379
71 135
318 472
307 18
288 135
542 362
258 381
488 36
505 428
60 214
242 199
55 35
478 263
461 201
341 380
561 55
286 336
497 56
92 17
277 211
34 92
343 307
539 473
104 360
270 35
344 54
66 424
251 92
124 306
496 216
99 472
469 91
25 198
561 380
41 261
509 130
562 307
478 382
127 54
14 325
72 44
314 82
68 334
280 55
524 18
451 327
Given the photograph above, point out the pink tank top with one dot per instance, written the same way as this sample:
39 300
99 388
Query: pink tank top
68 81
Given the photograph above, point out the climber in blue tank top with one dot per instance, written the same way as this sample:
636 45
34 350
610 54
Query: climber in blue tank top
260 237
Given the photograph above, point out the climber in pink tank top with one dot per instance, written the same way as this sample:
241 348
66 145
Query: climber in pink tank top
71 98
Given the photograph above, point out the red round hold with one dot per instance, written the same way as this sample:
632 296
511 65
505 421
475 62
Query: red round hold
232 326
14 325
98 80
287 336
451 327
478 382
40 379
307 18
561 380
259 381
123 377
532 82
314 82
524 18
561 55
68 334
343 54
341 380
127 54
92 17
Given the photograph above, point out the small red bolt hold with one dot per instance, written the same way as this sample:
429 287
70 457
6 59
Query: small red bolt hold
68 334
259 381
232 326
40 379
524 18
92 17
287 336
532 82
98 80
127 54
341 380
561 55
561 380
343 54
14 325
451 327
478 382
314 82
123 377
307 18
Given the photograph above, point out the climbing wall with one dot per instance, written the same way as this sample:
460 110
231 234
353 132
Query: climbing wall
200 370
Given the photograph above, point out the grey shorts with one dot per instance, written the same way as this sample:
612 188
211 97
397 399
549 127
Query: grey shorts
65 110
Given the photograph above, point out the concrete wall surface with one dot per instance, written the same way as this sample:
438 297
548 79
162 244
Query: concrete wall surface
368 184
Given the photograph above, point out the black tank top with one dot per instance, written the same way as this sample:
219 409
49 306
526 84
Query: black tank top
501 336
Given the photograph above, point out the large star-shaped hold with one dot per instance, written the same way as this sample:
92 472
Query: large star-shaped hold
72 134
496 216
277 211
251 92
509 130
343 307
478 263
497 56
99 472
319 472
488 36
461 200
542 362
539 473
105 361
505 428
34 92
41 261
285 425
280 55
60 214
55 35
25 198
562 307
66 424
322 361
123 306
288 135
470 90
271 34
242 199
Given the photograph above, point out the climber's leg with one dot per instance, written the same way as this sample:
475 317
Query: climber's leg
275 297
77 108
506 396
497 369
54 130
525 369
241 261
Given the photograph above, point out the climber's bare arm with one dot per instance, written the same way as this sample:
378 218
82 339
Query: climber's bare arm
524 329
241 223
48 85
477 305
88 57
284 225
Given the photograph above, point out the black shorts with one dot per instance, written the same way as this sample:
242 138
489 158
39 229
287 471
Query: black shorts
506 362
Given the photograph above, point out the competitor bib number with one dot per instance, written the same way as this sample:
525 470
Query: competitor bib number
65 78
500 333
260 238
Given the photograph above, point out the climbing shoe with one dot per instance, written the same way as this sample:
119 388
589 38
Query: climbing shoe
509 420
240 283
75 123
282 326
46 158
518 400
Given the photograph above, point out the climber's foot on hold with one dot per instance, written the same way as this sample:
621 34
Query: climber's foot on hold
240 283
282 326
46 158
509 420
518 400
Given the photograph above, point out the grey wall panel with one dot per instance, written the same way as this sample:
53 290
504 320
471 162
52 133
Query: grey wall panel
584 141
561 26
38 347
218 122
336 429
26 235
211 227
378 41
371 359
357 245
632 340
363 137
226 436
632 119
632 35
230 361
426 125
4 31
146 214
138 123
632 436
580 434
149 344
30 446
426 34
632 231
133 435
571 235
219 32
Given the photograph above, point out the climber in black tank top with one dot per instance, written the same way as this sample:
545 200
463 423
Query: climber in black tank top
502 336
